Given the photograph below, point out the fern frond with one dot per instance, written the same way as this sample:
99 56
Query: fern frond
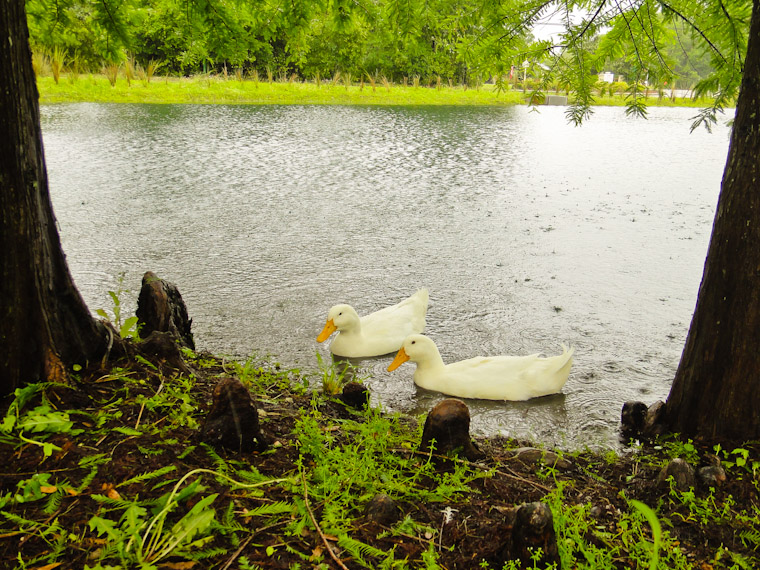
115 503
359 550
19 520
219 462
53 502
87 479
750 538
148 475
252 476
278 508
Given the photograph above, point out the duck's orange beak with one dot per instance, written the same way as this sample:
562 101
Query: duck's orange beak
401 357
327 331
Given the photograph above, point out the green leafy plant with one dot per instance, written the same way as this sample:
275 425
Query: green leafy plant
128 328
21 426
143 538
334 377
654 524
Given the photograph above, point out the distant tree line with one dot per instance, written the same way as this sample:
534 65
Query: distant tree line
310 38
455 41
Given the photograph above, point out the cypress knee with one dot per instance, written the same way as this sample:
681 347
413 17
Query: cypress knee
233 420
448 425
160 308
534 529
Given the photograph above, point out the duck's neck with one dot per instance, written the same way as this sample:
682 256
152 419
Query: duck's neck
353 331
429 363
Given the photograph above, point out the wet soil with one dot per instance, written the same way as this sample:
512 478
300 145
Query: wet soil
479 531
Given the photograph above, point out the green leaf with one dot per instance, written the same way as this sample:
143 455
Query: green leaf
127 430
651 517
129 328
44 419
8 422
196 521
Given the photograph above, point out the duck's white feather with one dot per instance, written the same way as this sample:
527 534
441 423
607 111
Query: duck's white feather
488 378
377 333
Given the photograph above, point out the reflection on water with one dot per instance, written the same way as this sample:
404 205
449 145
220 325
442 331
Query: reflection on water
528 233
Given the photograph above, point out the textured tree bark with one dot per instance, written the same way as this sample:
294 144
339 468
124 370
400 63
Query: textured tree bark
716 390
45 325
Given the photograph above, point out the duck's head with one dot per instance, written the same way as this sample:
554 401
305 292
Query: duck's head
340 318
417 348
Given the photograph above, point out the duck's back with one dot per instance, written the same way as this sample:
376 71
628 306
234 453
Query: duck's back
514 378
397 321
383 331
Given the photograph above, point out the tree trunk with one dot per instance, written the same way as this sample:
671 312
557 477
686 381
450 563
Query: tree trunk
716 390
45 325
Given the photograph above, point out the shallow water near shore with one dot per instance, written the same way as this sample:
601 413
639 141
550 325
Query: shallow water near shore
527 231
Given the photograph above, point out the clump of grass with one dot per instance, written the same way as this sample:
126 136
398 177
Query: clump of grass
386 83
40 63
336 78
58 58
111 71
347 80
130 70
151 68
74 68
333 378
372 80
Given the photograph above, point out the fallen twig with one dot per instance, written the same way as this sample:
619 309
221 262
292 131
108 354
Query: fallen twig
237 553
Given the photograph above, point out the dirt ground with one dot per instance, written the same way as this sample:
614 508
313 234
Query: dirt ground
477 534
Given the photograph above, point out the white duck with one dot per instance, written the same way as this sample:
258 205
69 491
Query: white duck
488 378
378 333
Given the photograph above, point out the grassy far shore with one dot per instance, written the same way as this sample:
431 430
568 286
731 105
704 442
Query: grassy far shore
221 90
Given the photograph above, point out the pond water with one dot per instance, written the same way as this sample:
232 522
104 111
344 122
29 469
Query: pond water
527 231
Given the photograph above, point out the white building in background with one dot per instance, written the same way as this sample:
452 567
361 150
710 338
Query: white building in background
607 77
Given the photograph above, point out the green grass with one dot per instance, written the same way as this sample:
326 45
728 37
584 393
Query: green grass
96 88
217 90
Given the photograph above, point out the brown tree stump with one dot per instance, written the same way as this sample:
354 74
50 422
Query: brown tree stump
632 419
355 395
637 421
233 421
160 308
683 475
382 510
533 529
447 429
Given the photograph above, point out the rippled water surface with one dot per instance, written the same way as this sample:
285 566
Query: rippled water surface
528 233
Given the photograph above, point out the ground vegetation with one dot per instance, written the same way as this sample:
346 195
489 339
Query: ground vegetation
114 470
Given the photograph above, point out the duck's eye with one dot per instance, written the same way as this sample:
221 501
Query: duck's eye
414 342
